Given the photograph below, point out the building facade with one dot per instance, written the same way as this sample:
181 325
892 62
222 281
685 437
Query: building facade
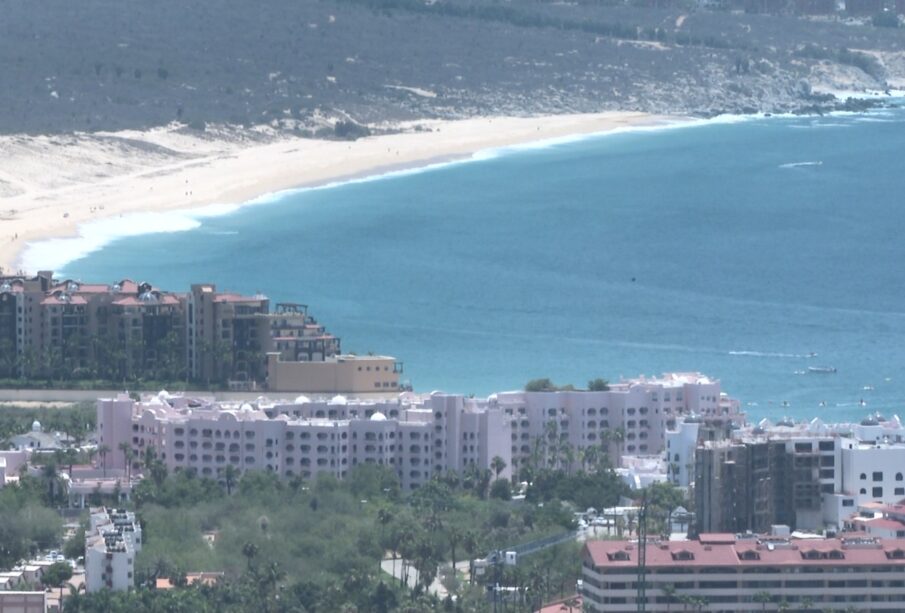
808 475
111 544
51 328
418 436
725 573
632 417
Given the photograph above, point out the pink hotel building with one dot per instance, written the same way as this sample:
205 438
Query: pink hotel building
417 435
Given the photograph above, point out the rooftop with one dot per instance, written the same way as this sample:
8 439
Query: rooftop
729 551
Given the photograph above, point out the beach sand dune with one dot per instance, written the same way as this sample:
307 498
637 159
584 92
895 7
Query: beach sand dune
49 186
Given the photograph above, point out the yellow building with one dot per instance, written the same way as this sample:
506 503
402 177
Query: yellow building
341 374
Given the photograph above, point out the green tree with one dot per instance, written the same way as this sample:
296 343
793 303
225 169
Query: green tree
230 477
51 477
57 575
75 546
126 448
501 490
102 451
598 385
498 465
540 385
763 598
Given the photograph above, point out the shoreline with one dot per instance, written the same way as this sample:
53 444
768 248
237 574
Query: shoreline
92 187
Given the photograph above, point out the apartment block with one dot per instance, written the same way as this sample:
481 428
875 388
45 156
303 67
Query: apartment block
808 475
728 573
52 327
111 543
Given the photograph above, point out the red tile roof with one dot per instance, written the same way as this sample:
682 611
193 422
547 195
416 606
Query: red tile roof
623 554
882 523
57 300
133 301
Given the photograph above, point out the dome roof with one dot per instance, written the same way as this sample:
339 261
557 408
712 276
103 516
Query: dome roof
338 400
246 408
302 400
378 416
36 426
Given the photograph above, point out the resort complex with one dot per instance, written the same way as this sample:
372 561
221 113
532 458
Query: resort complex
418 436
786 516
69 330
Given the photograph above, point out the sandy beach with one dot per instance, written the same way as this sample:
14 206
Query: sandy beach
51 185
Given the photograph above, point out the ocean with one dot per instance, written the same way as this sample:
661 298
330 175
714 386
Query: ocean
749 250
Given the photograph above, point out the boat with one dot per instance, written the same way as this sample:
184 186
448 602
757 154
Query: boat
823 370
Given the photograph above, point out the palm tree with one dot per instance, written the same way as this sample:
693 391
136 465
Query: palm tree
102 451
589 456
498 465
669 592
52 477
230 476
126 448
764 598
250 551
568 455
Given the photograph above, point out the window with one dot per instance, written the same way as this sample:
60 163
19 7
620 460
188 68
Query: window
898 476
848 502
862 491
877 492
900 491
863 476
877 476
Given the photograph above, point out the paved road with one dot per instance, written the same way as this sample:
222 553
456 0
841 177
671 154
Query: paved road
393 567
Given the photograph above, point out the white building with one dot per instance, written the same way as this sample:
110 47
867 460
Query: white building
111 544
680 445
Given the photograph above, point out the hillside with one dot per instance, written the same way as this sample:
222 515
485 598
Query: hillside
105 64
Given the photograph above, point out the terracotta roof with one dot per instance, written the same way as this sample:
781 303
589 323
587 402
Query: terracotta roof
880 522
83 288
73 299
134 301
623 554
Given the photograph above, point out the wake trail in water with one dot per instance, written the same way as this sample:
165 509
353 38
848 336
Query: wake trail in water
772 354
801 164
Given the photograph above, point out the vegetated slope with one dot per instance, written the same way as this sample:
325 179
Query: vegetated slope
105 64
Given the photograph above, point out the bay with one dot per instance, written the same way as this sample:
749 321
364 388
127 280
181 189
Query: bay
746 250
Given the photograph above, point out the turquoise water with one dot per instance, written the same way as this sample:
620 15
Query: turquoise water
735 249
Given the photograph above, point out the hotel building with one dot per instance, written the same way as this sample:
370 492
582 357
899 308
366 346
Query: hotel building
417 435
725 573
129 329
632 417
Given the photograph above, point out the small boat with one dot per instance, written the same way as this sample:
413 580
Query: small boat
822 370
